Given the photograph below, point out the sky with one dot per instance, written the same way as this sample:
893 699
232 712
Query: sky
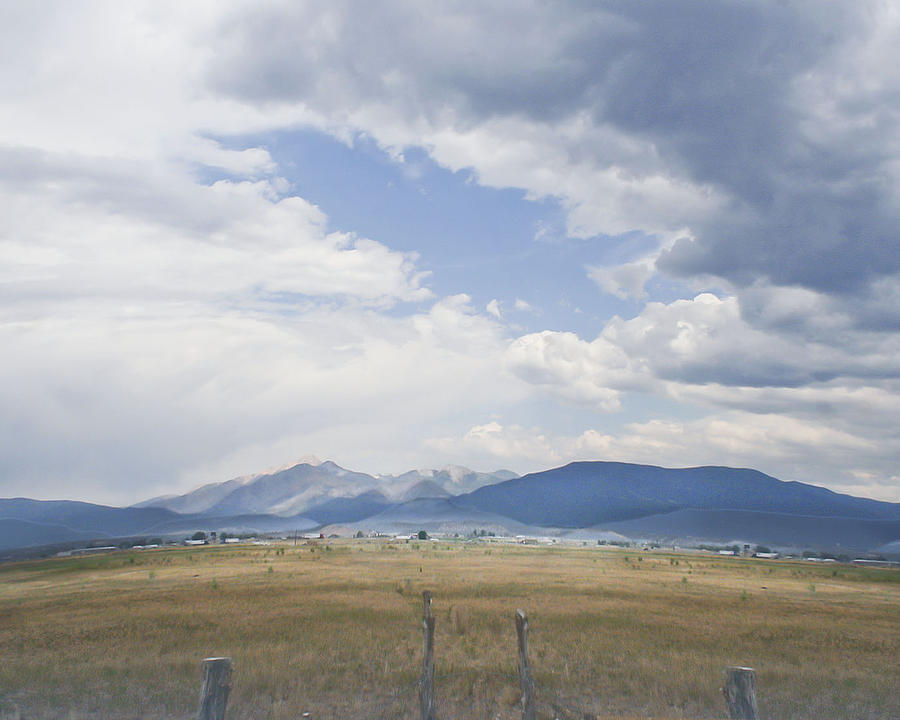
400 234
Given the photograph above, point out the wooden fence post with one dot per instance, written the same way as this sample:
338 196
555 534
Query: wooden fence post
215 688
740 693
524 668
426 691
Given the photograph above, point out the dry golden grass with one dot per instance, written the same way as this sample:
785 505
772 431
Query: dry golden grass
336 632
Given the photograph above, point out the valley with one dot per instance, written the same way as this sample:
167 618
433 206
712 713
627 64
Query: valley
333 628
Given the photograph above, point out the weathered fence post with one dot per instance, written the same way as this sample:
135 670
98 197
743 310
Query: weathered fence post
215 688
740 693
426 691
524 668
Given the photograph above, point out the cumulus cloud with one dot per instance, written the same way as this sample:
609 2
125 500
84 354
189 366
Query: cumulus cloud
700 342
771 399
580 372
492 443
623 281
118 232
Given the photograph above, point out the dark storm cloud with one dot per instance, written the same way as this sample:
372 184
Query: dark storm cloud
762 102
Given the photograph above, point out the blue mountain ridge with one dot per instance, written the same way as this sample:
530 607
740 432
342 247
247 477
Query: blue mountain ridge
583 494
610 495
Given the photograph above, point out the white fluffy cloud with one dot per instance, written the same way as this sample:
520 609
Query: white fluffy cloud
818 410
701 342
118 405
121 235
581 372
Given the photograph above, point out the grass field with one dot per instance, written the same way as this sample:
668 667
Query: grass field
334 630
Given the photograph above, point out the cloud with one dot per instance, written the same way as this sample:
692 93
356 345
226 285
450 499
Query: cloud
765 129
86 228
493 443
523 306
623 281
250 162
158 323
700 342
167 400
563 364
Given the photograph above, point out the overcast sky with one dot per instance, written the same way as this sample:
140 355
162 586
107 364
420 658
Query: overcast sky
403 234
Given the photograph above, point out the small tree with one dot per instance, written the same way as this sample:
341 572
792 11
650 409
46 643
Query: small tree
199 535
423 535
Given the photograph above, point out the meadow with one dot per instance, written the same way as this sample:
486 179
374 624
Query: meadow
333 629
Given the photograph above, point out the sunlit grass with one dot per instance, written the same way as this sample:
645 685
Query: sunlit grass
336 632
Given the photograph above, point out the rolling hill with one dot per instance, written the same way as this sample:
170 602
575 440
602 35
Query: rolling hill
584 494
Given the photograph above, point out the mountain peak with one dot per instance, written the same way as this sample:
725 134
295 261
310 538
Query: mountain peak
456 472
331 467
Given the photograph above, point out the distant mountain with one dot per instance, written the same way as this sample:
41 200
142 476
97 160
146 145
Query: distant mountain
25 522
84 517
425 489
300 497
292 490
347 510
454 479
199 500
441 515
245 523
16 533
776 529
596 499
304 486
584 494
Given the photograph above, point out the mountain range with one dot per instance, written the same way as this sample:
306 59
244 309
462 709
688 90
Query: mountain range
584 500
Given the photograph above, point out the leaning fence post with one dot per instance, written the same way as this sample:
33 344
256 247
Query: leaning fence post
524 668
740 693
426 691
215 688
